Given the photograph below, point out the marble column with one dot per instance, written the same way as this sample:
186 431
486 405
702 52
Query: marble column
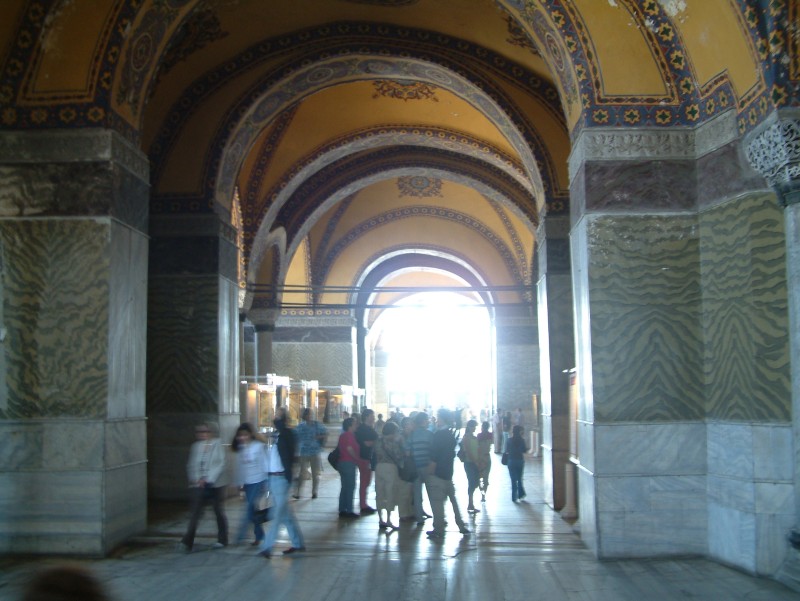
73 230
517 346
681 352
774 151
378 390
192 341
264 332
557 349
316 347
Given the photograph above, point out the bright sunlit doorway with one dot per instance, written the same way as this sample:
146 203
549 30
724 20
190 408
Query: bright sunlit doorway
438 351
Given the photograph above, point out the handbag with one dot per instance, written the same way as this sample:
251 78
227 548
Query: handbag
333 458
262 508
408 471
504 458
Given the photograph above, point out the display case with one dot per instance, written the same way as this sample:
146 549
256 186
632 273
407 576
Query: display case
334 401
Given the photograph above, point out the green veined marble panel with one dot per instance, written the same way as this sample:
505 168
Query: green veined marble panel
55 304
183 344
644 302
745 319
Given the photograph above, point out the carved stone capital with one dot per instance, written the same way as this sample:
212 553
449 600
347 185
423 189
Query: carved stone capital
775 153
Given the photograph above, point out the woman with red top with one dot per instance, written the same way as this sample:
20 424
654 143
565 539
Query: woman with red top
349 458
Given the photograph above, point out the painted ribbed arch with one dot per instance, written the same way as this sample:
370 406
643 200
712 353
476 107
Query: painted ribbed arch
389 217
375 138
392 261
338 70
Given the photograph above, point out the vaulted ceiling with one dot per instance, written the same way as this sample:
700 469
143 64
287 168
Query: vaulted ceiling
350 137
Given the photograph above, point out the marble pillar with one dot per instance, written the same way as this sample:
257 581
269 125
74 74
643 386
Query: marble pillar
774 151
315 347
192 342
378 388
556 343
264 363
681 346
73 231
517 348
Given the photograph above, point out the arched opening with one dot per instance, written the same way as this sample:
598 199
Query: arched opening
438 350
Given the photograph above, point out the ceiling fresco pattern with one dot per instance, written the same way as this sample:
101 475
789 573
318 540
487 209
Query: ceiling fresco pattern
218 95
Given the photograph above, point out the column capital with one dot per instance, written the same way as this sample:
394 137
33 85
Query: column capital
263 319
774 151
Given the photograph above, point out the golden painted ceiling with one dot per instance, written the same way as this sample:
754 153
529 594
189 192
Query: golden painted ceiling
354 141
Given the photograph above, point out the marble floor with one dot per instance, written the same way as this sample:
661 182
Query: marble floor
520 551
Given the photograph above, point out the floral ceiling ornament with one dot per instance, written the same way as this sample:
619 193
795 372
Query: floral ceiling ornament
419 186
405 91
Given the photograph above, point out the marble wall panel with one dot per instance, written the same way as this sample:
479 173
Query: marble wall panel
21 445
125 442
312 334
517 377
646 533
650 449
771 547
732 536
125 504
127 323
586 446
32 522
725 173
587 509
644 306
635 186
772 452
730 450
183 345
745 319
734 493
73 445
55 286
330 363
228 319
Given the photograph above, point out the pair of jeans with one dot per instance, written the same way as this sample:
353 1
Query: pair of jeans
515 469
347 471
252 492
198 497
282 515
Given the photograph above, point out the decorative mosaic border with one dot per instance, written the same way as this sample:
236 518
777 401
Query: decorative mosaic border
563 32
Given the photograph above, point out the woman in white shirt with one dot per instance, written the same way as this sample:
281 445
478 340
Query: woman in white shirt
251 474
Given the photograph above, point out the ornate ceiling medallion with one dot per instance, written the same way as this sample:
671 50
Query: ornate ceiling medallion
419 186
404 91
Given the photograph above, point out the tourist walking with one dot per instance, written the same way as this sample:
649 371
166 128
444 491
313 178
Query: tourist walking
419 447
366 437
469 448
251 476
439 481
389 457
311 437
207 482
280 459
485 439
349 457
516 449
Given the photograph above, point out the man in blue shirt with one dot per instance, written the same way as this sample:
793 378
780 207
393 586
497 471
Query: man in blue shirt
419 447
310 437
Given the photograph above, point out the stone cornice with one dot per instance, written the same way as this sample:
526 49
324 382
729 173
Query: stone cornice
315 321
636 144
73 146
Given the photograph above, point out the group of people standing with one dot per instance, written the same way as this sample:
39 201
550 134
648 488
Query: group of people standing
408 456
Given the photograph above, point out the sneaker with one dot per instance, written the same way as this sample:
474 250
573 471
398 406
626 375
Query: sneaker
265 554
183 548
217 546
291 550
435 534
